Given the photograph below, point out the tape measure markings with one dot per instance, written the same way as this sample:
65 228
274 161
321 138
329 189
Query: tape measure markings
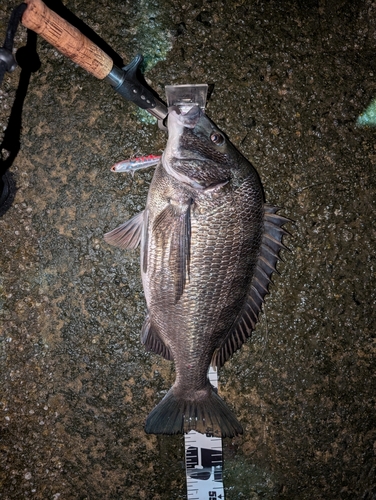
204 461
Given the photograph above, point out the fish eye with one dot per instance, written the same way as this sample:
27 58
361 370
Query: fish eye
217 138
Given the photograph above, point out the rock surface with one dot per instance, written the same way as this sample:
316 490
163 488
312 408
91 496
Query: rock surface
290 80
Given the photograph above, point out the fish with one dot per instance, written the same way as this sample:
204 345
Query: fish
209 246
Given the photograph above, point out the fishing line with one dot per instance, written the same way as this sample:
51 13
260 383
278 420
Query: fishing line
28 60
7 61
8 64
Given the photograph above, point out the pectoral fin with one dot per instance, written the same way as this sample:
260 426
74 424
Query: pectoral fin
128 235
172 230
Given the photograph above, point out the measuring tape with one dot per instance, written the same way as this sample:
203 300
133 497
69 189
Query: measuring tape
204 461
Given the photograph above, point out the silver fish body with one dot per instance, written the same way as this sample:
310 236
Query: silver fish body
209 245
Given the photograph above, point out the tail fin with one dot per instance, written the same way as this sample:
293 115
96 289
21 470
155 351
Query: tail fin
175 415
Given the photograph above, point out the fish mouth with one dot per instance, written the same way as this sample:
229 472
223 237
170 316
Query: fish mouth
188 119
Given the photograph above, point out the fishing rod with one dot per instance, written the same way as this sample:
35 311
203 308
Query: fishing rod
38 18
125 81
77 47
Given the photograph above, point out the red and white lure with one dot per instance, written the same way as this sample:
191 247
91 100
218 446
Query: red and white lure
133 164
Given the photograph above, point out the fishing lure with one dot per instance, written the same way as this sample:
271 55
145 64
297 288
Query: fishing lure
133 164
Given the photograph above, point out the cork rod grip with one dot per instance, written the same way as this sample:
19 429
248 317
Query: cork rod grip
66 38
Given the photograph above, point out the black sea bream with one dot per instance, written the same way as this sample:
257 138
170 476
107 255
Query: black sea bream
209 246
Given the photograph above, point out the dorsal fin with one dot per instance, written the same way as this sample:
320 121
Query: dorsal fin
265 267
128 235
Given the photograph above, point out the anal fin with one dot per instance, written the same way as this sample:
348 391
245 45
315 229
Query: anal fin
152 341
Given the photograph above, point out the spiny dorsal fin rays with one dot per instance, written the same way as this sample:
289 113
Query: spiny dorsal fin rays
261 284
271 217
274 243
267 266
269 256
273 230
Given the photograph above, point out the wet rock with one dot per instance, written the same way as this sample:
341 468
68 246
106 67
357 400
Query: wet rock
289 84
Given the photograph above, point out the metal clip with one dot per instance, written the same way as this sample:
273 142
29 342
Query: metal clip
7 57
